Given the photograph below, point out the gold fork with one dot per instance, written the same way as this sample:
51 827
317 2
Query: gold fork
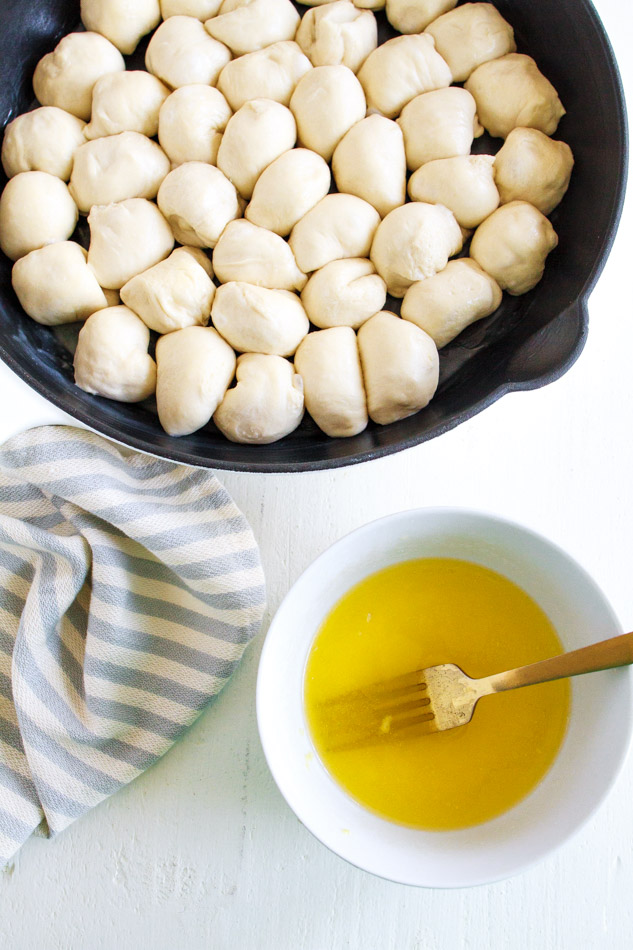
444 697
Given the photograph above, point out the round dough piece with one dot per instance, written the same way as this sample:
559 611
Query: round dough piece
512 91
472 34
401 69
369 162
266 404
198 201
125 239
327 102
338 226
329 365
400 367
66 77
338 33
187 400
173 294
439 124
364 4
414 242
258 320
200 9
256 256
344 293
530 166
412 16
249 25
128 165
120 21
55 285
512 245
270 73
255 136
464 184
191 124
43 140
111 358
35 209
181 52
448 302
286 190
126 102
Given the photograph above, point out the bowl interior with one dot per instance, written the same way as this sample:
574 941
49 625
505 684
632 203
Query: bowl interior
527 342
592 753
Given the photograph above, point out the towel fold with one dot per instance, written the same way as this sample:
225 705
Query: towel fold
129 589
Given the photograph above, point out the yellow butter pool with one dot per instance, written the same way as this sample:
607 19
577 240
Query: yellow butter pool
421 613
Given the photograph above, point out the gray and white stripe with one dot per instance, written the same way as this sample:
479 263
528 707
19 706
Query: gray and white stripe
129 589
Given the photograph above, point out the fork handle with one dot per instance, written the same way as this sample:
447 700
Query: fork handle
618 651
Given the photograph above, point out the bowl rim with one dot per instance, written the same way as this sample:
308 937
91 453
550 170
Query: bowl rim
483 516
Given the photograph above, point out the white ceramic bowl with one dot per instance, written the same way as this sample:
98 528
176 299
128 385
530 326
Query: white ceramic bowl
590 759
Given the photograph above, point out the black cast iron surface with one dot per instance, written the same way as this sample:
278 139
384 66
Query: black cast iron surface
528 342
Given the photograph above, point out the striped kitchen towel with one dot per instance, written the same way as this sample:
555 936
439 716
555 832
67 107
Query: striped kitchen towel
129 589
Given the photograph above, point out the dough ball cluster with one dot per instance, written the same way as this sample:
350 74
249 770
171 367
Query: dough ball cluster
263 193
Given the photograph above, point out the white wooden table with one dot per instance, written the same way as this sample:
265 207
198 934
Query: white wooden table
202 852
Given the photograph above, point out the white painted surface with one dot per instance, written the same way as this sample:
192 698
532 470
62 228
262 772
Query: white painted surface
202 852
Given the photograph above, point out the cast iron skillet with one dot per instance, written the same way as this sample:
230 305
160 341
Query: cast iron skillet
529 342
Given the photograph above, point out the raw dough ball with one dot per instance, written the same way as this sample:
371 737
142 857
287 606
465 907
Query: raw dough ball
364 4
400 367
414 242
329 364
401 69
198 201
472 34
270 73
532 167
338 33
66 77
125 239
120 21
512 91
44 140
344 293
126 102
447 303
512 244
35 209
200 9
258 320
369 162
338 226
174 293
249 25
288 189
255 136
266 404
256 256
181 52
327 102
439 124
111 358
128 165
191 124
464 184
55 285
187 400
411 16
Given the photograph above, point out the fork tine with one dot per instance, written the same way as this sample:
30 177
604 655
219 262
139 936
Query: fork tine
397 684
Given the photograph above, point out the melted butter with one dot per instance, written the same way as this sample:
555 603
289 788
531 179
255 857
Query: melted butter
423 613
